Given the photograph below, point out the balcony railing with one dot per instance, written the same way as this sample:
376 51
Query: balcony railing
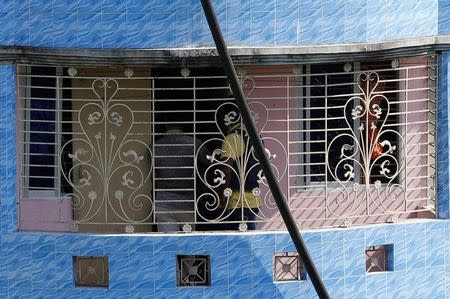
122 150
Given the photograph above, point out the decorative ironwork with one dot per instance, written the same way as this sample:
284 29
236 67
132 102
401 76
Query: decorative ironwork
193 270
369 146
349 145
219 201
103 153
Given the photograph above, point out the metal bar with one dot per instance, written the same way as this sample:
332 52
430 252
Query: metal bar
259 150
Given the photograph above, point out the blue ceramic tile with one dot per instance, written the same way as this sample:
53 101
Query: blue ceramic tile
262 28
183 29
297 290
310 4
114 31
67 243
263 266
397 285
333 251
165 279
263 5
283 242
241 291
44 267
190 245
119 274
238 26
161 293
416 252
164 6
237 242
114 6
8 25
116 244
354 259
355 287
335 287
263 241
141 271
41 6
219 268
236 5
286 5
65 30
65 6
139 6
311 32
89 6
7 5
376 285
138 30
44 243
21 292
140 245
286 28
119 294
93 293
141 294
20 242
335 235
435 249
240 268
375 235
162 29
190 292
89 30
218 292
163 244
22 32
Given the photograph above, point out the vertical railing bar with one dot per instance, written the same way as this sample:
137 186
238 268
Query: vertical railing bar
288 130
326 145
260 151
58 130
433 97
307 134
152 156
406 137
194 133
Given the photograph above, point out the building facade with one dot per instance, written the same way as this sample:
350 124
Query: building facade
125 171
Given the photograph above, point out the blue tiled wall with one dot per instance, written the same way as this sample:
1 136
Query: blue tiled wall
443 140
181 23
39 265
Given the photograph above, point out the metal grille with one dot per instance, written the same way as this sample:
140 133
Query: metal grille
193 270
378 258
145 150
91 271
287 267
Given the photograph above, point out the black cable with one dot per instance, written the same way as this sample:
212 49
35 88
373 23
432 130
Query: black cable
259 150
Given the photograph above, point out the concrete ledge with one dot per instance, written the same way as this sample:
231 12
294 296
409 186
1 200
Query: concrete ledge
203 56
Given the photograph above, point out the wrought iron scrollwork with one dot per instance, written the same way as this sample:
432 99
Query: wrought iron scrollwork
370 161
214 204
107 172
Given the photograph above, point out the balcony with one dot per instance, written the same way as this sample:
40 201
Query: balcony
120 150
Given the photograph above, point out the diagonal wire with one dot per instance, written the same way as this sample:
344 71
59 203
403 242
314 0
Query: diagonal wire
259 149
